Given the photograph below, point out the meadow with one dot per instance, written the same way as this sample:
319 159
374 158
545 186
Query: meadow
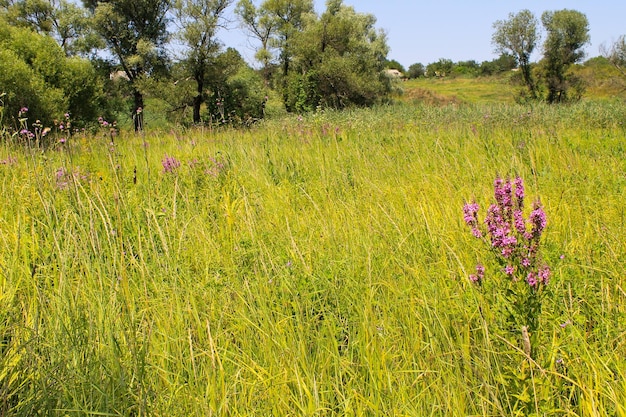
312 266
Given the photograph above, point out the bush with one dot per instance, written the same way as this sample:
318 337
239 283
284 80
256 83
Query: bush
37 74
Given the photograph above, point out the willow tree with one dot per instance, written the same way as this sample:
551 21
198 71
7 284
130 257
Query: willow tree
199 21
518 36
135 32
261 26
338 61
567 34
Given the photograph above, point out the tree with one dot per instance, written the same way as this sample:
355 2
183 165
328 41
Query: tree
261 26
440 68
338 61
288 16
567 33
393 64
416 70
616 54
37 74
518 36
505 62
199 21
65 21
135 32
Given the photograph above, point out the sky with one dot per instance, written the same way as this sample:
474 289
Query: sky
460 30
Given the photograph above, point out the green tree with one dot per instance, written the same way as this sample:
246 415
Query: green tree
199 21
338 61
505 62
37 74
261 26
519 36
289 17
440 68
416 70
65 21
567 33
135 32
393 64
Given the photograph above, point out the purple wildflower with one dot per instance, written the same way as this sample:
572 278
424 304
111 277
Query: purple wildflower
479 276
518 220
470 213
519 192
531 279
537 220
544 275
170 164
509 270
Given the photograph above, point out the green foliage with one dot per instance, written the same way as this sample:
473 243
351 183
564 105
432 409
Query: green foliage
135 32
505 62
441 68
518 36
66 22
38 75
199 21
240 100
466 68
261 25
338 61
393 64
567 33
416 70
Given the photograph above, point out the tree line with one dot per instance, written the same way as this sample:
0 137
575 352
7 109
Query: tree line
114 51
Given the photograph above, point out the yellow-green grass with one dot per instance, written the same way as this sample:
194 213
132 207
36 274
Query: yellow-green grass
458 90
600 84
311 267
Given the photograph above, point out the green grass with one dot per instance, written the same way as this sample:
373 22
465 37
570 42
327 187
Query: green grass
313 267
459 90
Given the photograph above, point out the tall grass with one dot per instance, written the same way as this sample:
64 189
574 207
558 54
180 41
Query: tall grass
314 266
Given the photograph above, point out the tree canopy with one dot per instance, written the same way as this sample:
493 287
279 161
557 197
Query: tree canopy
567 33
518 36
37 74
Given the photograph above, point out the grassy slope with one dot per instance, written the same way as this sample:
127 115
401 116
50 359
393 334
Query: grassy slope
319 268
603 82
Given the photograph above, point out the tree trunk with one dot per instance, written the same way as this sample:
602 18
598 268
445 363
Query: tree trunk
198 99
138 110
528 79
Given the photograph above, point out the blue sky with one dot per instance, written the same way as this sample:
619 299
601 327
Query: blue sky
424 31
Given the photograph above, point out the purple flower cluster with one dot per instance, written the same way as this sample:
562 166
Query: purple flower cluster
170 164
480 274
515 240
10 160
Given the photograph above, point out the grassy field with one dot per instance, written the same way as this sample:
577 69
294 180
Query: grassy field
310 267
